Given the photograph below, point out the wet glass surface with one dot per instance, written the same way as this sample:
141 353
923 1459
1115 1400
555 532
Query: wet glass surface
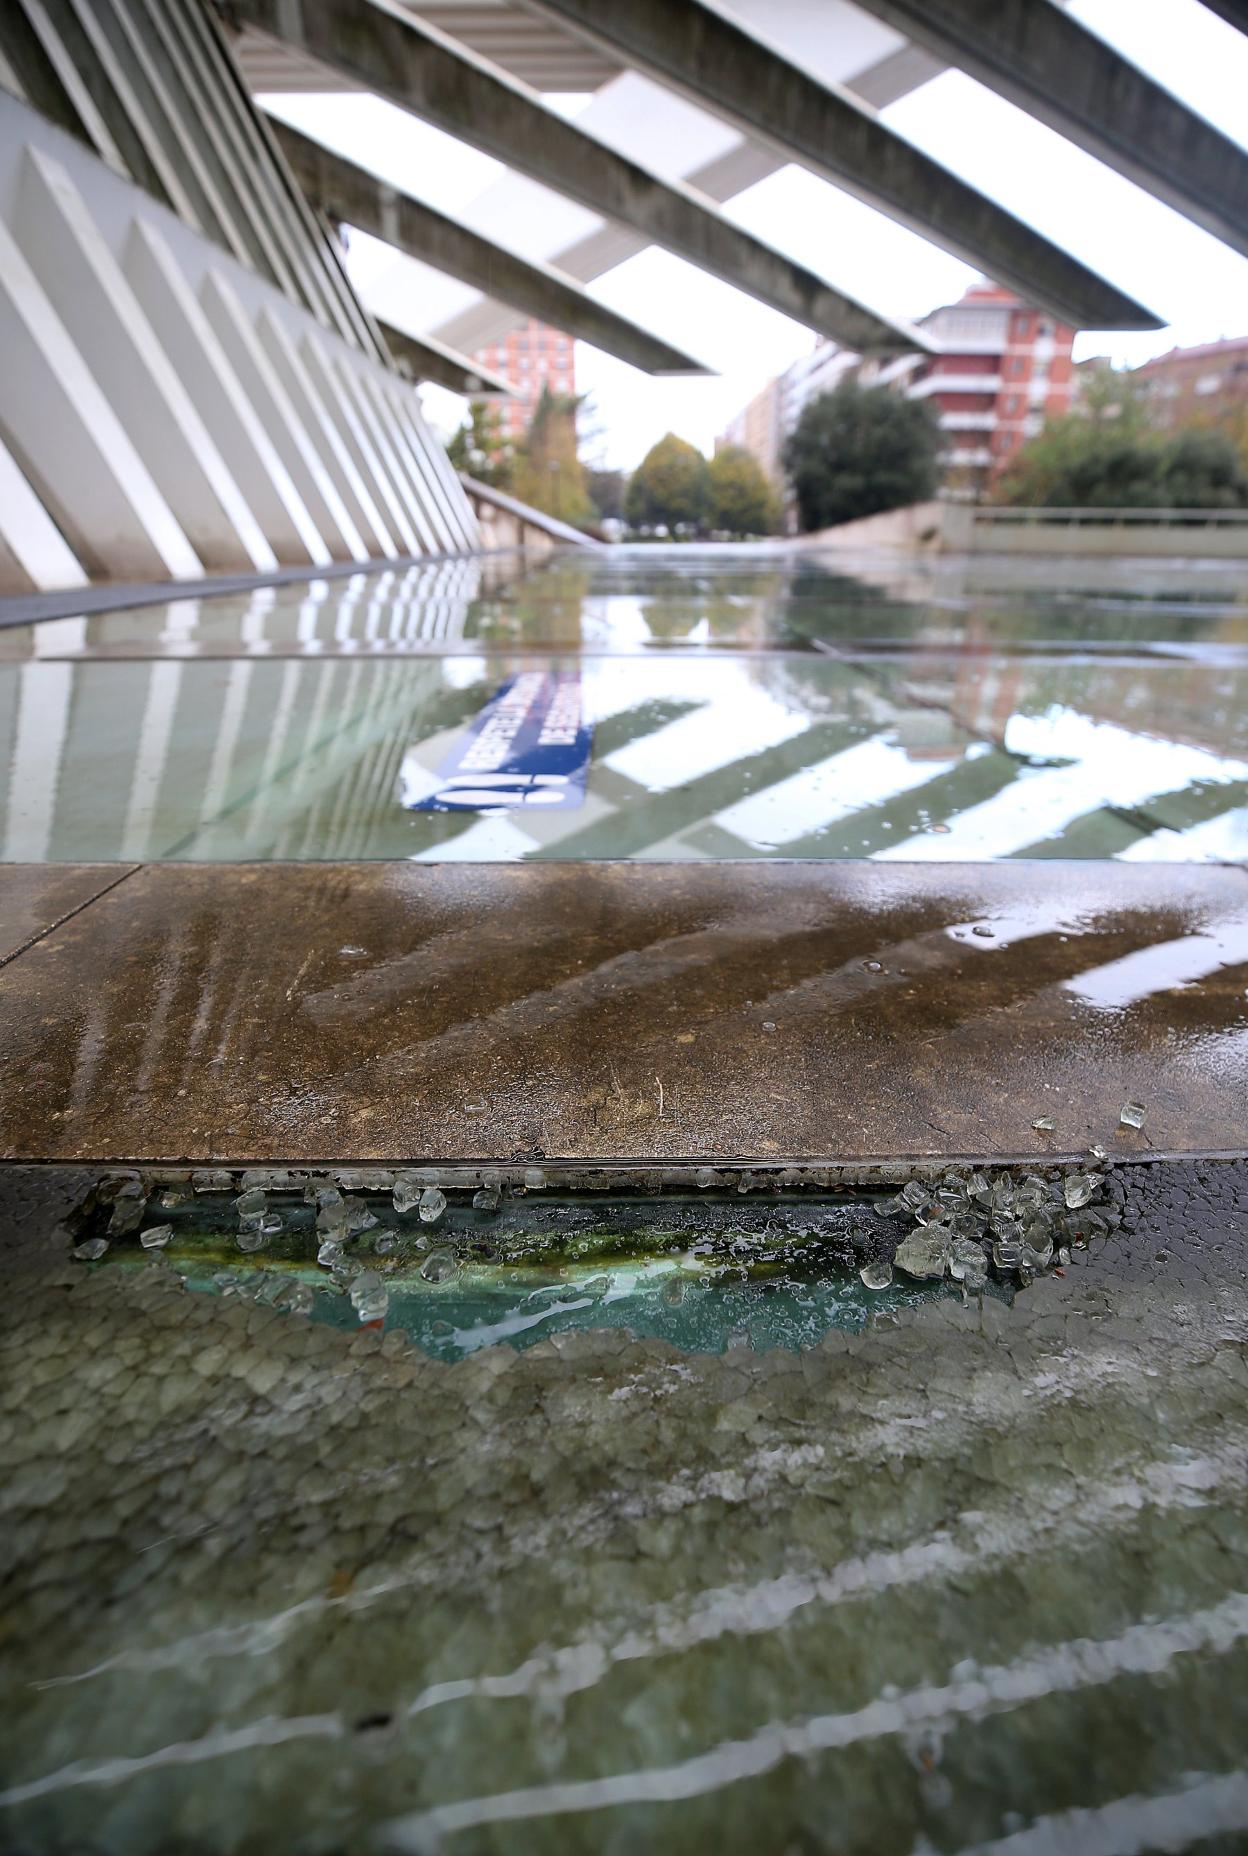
957 1578
742 706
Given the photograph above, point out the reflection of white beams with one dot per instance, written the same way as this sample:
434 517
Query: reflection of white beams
238 683
744 720
44 693
867 774
1162 968
1114 767
163 684
1221 840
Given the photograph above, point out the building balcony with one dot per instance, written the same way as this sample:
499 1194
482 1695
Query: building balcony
985 421
940 382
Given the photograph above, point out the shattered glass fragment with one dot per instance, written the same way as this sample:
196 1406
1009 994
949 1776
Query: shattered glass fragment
982 929
385 1242
128 1210
486 1199
89 1251
924 1254
369 1296
439 1266
1097 1152
1006 1252
876 1275
297 1298
1044 1124
329 1253
251 1237
250 1204
1131 1115
211 1179
1079 1188
406 1192
270 1224
968 1264
432 1204
156 1236
359 1218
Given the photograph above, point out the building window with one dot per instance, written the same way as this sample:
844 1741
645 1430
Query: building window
1209 383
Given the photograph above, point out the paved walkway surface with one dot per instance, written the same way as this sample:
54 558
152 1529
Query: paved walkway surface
356 1012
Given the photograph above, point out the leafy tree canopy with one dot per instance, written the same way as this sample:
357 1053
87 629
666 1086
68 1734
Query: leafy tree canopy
742 500
1080 461
669 487
606 491
479 449
859 450
549 474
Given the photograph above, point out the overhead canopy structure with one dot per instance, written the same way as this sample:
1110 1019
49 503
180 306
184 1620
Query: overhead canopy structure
717 63
1234 12
399 57
351 193
1043 60
424 358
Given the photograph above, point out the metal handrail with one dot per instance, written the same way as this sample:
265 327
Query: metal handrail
1159 518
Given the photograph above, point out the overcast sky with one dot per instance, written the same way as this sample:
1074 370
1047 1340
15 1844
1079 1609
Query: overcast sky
1198 286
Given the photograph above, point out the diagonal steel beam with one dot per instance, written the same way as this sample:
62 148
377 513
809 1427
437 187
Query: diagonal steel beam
427 359
696 49
1043 60
1234 12
402 58
344 191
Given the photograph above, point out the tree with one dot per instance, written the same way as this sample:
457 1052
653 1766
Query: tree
479 449
549 474
742 500
859 450
669 488
606 490
1082 462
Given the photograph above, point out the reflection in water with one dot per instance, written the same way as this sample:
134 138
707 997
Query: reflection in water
744 706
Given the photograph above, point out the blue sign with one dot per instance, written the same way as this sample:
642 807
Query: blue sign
528 747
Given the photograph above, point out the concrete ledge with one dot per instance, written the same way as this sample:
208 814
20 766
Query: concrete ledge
593 1013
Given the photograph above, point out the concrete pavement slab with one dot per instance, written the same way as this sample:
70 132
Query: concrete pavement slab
340 1012
36 897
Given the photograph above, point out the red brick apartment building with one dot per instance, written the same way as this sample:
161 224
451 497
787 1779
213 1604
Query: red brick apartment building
529 358
1003 368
